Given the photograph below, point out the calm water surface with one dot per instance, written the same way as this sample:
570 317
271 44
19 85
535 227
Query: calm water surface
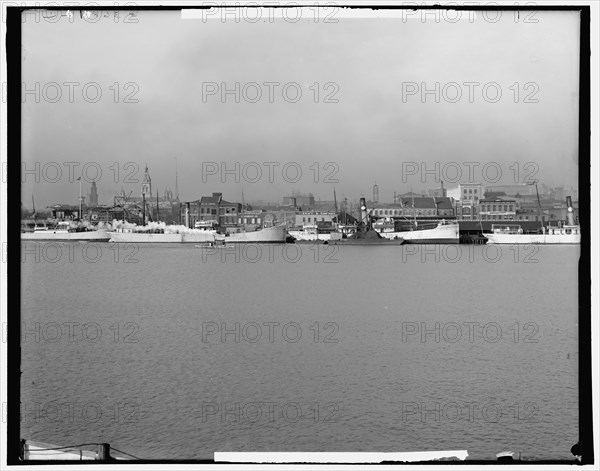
384 349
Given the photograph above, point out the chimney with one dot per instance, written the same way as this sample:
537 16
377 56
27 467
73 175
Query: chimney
570 215
363 211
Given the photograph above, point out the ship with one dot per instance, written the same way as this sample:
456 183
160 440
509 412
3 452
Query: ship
160 232
364 235
163 233
310 233
66 231
514 234
267 235
569 233
442 232
313 232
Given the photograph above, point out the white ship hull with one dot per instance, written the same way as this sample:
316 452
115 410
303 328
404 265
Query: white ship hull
302 236
161 238
530 239
442 234
268 235
84 236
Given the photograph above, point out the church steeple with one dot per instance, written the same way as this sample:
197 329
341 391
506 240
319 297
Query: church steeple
147 184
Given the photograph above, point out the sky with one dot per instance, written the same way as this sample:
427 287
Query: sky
361 118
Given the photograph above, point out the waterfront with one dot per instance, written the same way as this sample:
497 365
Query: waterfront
155 381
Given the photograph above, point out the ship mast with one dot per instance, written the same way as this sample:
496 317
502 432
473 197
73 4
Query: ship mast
535 182
335 202
34 214
412 195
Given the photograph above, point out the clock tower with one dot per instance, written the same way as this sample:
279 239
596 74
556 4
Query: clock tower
147 185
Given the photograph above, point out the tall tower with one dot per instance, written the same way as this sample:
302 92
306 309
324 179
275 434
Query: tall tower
147 185
375 193
94 195
176 181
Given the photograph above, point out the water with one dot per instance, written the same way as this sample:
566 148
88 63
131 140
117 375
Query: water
147 370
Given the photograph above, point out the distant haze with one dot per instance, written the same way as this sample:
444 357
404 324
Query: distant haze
378 125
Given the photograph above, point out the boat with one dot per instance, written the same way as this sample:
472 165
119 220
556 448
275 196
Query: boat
310 233
66 231
442 232
369 237
364 234
514 234
569 233
267 235
163 233
160 233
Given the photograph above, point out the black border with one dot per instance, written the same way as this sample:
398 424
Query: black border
13 57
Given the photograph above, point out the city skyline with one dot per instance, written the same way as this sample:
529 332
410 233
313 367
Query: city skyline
369 105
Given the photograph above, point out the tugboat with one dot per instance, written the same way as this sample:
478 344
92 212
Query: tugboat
364 235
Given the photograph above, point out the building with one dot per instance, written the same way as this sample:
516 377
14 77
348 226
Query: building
251 218
438 192
421 207
146 185
468 204
212 208
289 201
299 201
511 190
64 212
93 196
497 209
314 217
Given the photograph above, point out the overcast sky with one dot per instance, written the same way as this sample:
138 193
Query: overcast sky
369 133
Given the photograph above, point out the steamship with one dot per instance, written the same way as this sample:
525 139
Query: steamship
569 233
180 234
364 235
442 232
65 231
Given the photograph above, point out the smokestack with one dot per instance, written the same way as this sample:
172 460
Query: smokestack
363 211
187 215
570 215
